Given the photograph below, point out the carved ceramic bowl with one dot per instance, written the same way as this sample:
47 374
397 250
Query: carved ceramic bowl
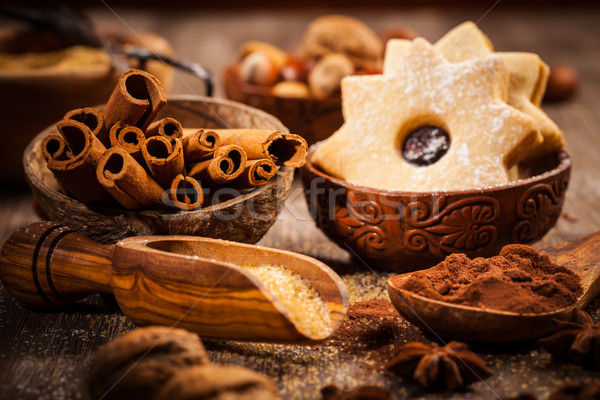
405 231
37 97
245 218
311 118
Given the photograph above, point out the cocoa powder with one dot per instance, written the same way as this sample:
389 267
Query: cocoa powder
520 279
369 325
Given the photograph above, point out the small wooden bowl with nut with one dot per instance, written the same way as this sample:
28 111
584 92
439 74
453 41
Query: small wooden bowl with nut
315 119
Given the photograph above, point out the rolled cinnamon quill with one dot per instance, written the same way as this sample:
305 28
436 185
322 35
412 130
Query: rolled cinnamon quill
282 148
76 172
136 100
54 147
164 159
93 119
227 164
186 193
200 145
127 181
256 173
166 127
131 138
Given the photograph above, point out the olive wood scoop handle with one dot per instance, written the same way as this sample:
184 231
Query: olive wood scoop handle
191 282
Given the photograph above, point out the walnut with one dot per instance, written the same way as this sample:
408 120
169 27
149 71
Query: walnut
218 382
135 365
332 34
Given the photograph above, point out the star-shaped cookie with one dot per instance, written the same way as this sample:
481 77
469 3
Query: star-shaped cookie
466 99
528 75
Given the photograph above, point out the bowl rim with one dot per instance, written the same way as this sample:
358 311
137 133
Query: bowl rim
34 180
564 163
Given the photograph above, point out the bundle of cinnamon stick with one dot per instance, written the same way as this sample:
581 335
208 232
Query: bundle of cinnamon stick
122 155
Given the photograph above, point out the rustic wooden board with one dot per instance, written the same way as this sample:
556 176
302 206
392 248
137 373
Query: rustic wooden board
45 355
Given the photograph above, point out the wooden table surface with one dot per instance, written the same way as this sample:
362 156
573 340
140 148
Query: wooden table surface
45 355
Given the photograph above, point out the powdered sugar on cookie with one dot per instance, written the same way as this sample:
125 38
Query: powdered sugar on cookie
467 100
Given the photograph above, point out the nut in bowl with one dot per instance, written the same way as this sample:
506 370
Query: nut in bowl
245 217
303 89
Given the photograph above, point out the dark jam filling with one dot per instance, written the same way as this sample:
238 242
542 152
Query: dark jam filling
426 145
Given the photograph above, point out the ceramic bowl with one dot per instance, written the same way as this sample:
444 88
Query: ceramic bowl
34 98
245 218
405 231
311 118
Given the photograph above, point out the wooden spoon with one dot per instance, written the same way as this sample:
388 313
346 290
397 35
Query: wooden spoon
467 323
185 281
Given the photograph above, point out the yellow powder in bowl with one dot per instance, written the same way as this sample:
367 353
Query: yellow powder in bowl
69 58
306 309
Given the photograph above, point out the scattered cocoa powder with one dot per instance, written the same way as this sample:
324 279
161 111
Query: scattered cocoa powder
368 325
520 279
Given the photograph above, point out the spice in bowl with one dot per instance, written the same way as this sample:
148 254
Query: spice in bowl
122 157
519 280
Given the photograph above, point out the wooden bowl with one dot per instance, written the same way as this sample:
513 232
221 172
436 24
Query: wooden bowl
37 97
245 218
405 231
311 118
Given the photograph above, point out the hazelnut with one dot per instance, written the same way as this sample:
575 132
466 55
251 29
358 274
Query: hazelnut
218 382
325 78
295 69
562 83
276 55
259 68
290 89
135 365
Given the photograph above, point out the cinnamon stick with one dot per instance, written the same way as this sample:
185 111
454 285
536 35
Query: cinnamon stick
54 147
200 145
227 164
93 119
256 173
136 100
282 148
131 138
76 171
164 159
166 127
186 193
128 181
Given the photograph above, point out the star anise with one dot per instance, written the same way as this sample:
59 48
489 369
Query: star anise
576 341
452 366
578 391
333 392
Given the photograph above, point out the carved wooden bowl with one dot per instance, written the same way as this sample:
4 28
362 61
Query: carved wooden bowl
37 97
311 118
245 218
405 231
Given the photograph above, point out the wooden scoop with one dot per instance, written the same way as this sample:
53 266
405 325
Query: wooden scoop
185 281
474 324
